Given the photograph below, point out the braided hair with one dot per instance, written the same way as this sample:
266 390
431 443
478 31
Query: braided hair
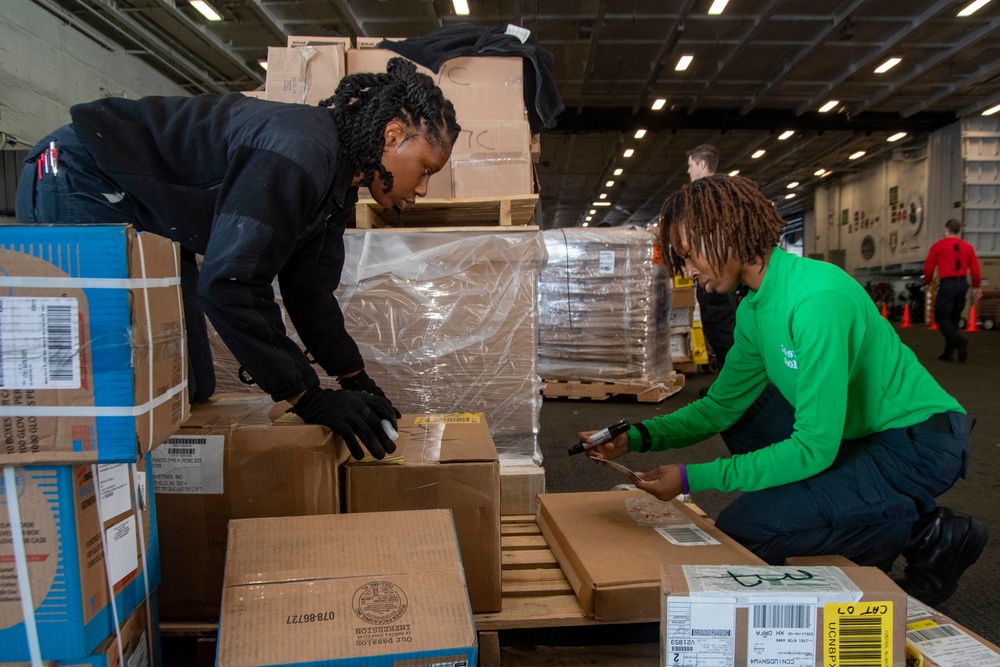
722 216
365 102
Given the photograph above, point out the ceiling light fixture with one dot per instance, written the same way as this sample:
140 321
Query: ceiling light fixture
461 7
855 156
263 64
717 7
785 135
609 184
601 203
639 134
992 110
888 65
828 106
593 211
659 104
820 172
205 9
790 195
973 7
793 184
618 171
585 224
734 172
589 218
603 195
684 62
897 136
628 152
758 153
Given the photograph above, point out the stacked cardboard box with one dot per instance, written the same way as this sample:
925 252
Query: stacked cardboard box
603 307
93 377
683 309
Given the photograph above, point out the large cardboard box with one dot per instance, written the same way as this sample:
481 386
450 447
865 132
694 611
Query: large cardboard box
350 589
91 344
303 74
781 615
231 461
613 563
67 563
318 40
491 159
442 461
935 640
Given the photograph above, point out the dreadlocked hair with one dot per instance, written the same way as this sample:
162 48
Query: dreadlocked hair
365 102
722 216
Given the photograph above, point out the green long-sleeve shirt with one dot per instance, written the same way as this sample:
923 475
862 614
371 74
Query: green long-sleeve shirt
816 334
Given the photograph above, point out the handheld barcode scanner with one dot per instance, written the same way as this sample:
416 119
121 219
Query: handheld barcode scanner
600 438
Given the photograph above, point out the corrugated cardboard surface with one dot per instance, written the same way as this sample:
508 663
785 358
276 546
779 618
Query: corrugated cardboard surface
303 74
128 353
449 462
267 469
345 589
612 562
875 587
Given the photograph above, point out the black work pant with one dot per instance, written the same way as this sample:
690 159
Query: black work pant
863 506
81 194
948 311
718 321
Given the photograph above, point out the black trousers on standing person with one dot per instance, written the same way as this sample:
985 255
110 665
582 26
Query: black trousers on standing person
948 311
718 320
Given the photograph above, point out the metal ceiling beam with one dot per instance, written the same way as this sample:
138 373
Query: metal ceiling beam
982 73
269 20
926 66
595 33
789 65
63 14
661 57
890 44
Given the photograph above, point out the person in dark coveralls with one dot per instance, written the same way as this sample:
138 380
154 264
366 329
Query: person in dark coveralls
840 439
954 260
718 311
261 190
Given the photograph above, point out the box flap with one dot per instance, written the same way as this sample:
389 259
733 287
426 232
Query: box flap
224 411
441 438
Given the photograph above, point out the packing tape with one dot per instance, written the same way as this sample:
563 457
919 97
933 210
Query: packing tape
107 564
89 283
21 566
92 410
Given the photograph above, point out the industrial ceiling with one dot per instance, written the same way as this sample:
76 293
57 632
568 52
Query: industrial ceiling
759 69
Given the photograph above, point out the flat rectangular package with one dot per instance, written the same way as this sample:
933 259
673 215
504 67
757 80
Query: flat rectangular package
92 358
383 590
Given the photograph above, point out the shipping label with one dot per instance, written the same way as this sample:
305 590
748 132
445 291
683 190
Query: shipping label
700 632
39 343
189 464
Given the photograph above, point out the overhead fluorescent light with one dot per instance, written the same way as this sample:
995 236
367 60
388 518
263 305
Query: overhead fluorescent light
609 184
973 7
758 153
618 171
855 156
461 7
684 62
825 174
628 152
820 172
585 224
897 136
589 218
790 195
263 64
603 195
593 211
991 110
785 135
734 172
717 7
888 65
829 105
601 203
205 10
639 134
659 104
793 184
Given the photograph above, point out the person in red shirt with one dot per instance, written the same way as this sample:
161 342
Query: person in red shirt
954 259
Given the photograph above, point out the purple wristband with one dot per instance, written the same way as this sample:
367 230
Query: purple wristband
685 489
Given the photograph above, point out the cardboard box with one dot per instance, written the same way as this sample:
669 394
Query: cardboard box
780 615
680 317
935 640
448 461
318 40
350 589
680 346
138 644
682 297
67 563
373 42
481 88
613 563
303 74
91 364
490 159
231 461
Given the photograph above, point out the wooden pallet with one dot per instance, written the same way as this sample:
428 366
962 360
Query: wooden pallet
509 211
644 391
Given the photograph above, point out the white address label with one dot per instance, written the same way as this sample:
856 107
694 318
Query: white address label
39 343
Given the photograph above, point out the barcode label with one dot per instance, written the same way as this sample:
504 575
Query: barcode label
937 632
858 634
687 535
189 465
39 343
860 642
181 451
185 440
797 616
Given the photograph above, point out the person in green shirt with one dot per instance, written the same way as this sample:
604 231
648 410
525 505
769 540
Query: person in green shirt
840 439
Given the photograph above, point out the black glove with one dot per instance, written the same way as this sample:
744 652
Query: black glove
353 415
362 382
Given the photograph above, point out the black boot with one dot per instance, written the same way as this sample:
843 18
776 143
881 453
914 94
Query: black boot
943 544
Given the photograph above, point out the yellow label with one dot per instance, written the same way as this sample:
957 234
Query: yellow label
453 418
914 658
920 625
857 633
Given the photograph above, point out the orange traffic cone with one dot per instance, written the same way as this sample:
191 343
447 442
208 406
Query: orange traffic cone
906 317
972 327
885 311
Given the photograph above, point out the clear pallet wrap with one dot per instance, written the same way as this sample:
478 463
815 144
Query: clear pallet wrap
446 322
603 306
